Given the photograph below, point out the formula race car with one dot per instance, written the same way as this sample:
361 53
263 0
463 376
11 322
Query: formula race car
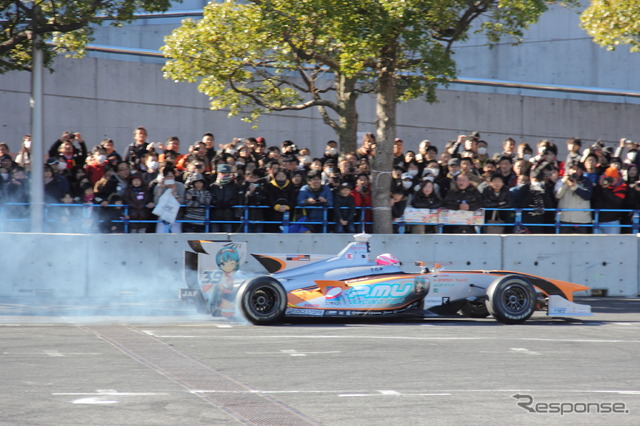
351 284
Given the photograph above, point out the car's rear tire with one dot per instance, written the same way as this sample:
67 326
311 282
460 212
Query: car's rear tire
262 300
473 309
511 299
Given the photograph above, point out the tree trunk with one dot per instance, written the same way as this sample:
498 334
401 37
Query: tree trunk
383 160
348 119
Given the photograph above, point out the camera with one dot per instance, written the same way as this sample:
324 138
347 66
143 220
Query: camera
608 181
573 177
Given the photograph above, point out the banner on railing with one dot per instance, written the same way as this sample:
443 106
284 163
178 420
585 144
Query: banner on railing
443 216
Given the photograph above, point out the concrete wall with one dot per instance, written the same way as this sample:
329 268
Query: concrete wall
104 97
142 267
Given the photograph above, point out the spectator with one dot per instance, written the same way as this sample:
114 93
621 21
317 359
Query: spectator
151 168
505 168
209 141
630 173
591 173
408 183
574 191
610 193
171 152
423 155
116 183
399 158
138 148
197 201
344 210
225 195
573 146
508 149
496 196
533 195
71 155
366 147
467 168
75 154
55 186
5 152
281 197
23 159
167 183
524 152
65 218
482 155
314 195
362 196
110 151
140 201
398 204
96 163
462 196
297 180
331 152
18 191
454 169
426 197
113 215
255 197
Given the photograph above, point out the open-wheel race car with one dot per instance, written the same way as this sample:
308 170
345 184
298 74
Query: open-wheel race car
351 284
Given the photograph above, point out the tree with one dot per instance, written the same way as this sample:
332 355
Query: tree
272 55
68 24
612 23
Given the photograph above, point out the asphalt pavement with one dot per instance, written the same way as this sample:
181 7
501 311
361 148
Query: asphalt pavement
160 363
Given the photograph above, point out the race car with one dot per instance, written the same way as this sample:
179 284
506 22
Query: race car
352 284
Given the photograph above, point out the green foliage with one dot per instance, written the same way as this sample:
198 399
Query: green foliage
612 23
268 55
69 24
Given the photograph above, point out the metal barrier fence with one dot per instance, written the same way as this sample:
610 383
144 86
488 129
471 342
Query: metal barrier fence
15 217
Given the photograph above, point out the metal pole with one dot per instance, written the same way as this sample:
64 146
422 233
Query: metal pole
37 140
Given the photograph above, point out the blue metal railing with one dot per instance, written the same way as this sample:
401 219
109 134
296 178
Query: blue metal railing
89 219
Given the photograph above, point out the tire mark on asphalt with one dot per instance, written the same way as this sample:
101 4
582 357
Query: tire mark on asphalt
235 398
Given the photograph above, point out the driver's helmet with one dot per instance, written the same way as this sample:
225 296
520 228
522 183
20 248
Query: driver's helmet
387 259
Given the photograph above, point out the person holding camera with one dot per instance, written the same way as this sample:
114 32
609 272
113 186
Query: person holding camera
574 191
610 193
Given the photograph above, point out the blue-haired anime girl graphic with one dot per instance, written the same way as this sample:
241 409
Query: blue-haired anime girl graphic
222 296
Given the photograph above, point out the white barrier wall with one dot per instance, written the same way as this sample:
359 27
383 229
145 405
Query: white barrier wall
142 267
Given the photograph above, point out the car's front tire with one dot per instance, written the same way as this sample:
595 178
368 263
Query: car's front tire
511 299
262 300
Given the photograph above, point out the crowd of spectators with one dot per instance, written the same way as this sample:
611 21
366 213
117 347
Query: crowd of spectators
283 181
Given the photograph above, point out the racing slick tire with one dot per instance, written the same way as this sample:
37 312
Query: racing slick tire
262 300
475 309
511 299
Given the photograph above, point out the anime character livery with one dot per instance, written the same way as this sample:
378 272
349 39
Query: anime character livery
351 284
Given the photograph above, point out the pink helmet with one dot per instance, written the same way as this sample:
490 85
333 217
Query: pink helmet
386 259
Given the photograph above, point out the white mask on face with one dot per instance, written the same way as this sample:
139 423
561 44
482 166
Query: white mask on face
413 172
482 150
332 151
433 171
407 184
169 181
27 144
62 165
526 157
152 165
101 158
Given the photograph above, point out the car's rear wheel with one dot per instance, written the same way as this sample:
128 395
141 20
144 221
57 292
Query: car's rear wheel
511 299
262 300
